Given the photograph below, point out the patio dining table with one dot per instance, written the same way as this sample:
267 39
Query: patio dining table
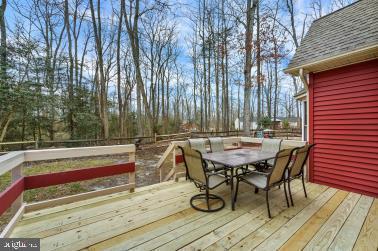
233 159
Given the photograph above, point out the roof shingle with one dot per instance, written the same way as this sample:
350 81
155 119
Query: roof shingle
348 29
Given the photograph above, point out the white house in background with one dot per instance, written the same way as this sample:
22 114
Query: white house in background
293 123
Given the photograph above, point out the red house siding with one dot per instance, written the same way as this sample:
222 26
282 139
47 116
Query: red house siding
343 124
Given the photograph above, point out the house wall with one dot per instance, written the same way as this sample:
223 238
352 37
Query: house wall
343 123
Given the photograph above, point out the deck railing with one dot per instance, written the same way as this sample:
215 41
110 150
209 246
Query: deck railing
13 195
156 138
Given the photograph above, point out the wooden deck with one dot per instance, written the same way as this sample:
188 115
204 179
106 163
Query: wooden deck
160 217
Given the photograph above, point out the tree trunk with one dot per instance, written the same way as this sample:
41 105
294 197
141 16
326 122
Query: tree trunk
132 31
251 7
3 42
71 102
121 117
101 80
258 62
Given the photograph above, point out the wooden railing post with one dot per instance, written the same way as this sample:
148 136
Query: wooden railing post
174 164
16 174
132 174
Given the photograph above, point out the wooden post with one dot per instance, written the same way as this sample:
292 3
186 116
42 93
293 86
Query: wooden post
239 142
174 163
16 173
132 175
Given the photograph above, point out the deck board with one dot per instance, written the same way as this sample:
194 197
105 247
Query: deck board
302 236
160 217
277 239
255 238
368 237
324 237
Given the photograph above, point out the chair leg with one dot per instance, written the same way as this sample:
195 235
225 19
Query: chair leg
226 176
267 203
304 187
207 198
237 189
291 196
287 200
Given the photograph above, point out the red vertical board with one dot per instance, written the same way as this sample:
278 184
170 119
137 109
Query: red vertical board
343 112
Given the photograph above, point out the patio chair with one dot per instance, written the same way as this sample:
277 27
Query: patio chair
295 170
203 179
271 146
200 145
216 144
265 181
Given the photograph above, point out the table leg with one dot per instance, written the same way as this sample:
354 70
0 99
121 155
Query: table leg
232 189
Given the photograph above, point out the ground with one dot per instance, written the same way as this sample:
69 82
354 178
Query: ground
147 174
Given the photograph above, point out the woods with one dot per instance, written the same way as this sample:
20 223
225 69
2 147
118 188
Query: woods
96 69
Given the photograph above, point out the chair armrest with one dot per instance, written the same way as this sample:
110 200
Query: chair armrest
215 173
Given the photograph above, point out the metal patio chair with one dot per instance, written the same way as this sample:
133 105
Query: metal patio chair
295 170
200 145
216 144
268 145
203 179
265 181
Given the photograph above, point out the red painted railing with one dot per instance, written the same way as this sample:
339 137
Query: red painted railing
8 196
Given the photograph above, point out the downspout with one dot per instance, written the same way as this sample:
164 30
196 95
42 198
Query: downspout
303 77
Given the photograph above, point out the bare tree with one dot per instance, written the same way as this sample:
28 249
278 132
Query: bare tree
100 79
251 8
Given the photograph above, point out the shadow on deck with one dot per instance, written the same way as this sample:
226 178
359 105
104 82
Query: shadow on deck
160 217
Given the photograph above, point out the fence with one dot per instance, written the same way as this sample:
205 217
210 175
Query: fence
165 138
13 195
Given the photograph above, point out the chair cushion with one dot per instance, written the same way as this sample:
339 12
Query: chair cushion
258 180
215 180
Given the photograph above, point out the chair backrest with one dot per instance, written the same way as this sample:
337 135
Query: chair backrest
301 156
281 163
194 164
216 144
285 144
271 145
198 144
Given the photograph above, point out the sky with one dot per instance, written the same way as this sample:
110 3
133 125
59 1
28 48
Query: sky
185 30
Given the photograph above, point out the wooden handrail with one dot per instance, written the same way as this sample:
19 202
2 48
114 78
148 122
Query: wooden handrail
13 195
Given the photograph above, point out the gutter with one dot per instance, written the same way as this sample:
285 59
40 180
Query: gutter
371 52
